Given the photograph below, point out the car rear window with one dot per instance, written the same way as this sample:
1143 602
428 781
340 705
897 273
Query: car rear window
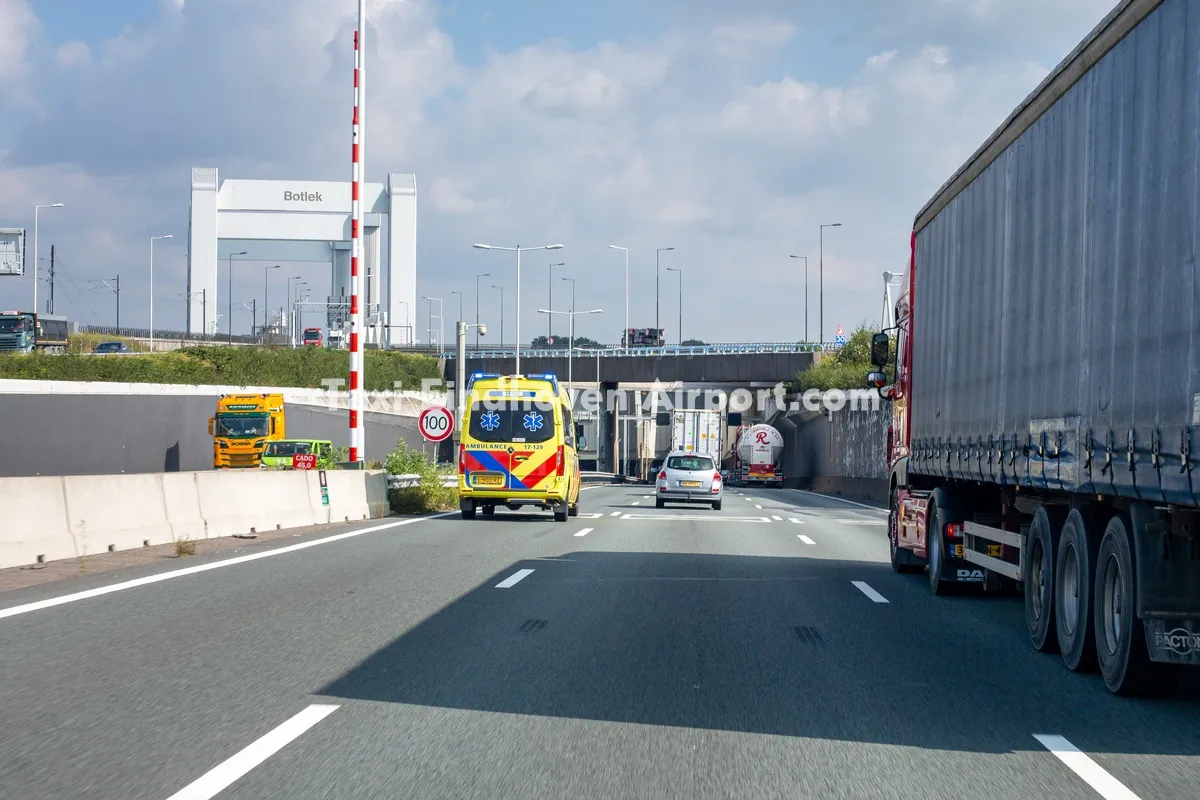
690 463
511 421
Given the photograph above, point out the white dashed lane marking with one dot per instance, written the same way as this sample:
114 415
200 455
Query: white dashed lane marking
514 579
869 592
1092 773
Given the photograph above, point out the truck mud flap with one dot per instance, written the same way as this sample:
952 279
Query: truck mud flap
1173 641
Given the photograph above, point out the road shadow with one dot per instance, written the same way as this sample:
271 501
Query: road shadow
769 645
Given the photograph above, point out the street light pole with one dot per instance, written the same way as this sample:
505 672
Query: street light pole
625 332
822 276
460 303
229 314
152 238
36 208
571 348
477 277
680 271
266 302
657 272
550 299
805 296
518 250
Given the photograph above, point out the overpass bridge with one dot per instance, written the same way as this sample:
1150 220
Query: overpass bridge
717 363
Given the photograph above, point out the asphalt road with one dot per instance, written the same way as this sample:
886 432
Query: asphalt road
766 650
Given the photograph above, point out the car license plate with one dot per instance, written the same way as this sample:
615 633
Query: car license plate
956 551
487 480
689 484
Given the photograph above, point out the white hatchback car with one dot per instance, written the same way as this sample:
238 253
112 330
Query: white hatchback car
689 478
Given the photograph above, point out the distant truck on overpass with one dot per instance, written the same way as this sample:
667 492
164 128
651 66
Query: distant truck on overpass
644 337
25 332
1046 400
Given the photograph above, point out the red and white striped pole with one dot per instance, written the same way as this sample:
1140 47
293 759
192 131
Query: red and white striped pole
356 250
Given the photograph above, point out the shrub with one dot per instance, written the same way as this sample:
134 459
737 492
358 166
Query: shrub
847 367
429 495
229 366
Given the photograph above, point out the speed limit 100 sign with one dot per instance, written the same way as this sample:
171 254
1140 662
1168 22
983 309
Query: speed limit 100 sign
436 423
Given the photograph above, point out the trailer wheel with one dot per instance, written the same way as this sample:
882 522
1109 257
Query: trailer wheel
1039 581
934 547
1120 635
903 561
1074 579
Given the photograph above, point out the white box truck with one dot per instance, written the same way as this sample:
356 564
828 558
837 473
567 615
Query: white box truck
697 431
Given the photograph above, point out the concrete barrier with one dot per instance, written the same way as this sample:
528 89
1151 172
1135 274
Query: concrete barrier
56 517
35 524
115 512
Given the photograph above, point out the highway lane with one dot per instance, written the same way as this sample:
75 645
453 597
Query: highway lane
633 651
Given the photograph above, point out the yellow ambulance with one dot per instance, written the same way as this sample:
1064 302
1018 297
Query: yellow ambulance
518 446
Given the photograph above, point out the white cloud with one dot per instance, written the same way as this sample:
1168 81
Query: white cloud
73 54
19 25
715 138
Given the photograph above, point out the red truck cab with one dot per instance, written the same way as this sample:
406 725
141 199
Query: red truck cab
312 337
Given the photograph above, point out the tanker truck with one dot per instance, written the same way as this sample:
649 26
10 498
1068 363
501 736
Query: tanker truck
757 452
1045 404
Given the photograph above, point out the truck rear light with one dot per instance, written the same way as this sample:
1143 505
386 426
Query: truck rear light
954 530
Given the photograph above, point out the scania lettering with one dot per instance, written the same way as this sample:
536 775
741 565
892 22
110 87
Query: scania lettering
1043 386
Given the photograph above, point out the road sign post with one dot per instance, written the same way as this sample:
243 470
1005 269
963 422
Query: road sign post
436 424
839 337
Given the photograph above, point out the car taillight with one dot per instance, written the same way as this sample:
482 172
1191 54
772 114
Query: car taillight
716 476
560 462
662 476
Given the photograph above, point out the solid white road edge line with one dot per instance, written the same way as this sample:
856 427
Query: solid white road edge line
514 579
179 573
869 592
839 499
585 532
226 773
804 539
1091 772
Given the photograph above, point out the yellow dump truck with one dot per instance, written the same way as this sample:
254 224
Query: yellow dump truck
243 425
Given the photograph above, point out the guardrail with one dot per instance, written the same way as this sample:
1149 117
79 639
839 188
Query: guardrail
642 352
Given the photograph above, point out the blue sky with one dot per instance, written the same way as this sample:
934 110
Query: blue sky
729 131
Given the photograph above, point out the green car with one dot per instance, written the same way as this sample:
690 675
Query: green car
278 455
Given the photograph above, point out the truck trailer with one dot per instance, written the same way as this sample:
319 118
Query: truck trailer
1046 393
757 456
696 430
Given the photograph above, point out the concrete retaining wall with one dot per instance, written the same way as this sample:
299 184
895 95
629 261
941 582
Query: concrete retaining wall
73 434
844 456
51 518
